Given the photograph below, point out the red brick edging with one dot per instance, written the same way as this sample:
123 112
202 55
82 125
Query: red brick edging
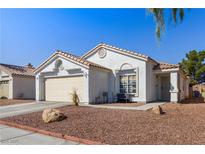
49 133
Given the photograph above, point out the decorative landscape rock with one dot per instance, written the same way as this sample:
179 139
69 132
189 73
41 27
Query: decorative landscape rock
157 110
52 115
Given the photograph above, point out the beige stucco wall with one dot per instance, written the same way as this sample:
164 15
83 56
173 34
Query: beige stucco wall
115 61
4 88
98 83
4 76
151 83
183 87
23 86
48 72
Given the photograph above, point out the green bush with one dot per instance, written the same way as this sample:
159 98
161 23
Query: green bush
3 97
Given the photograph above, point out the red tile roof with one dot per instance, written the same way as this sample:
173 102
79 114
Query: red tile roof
132 53
74 58
80 60
17 70
165 66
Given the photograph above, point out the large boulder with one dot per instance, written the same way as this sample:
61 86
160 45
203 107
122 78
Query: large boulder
157 110
52 115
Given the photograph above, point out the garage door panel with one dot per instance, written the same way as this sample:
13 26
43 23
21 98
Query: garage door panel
4 89
61 89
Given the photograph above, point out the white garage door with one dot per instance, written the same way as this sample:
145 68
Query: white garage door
60 89
4 89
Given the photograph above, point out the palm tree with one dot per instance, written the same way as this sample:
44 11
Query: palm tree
177 15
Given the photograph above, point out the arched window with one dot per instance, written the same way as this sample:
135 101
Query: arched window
58 63
126 66
128 79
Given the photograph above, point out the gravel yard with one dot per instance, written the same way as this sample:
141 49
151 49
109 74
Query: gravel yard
181 124
123 104
4 102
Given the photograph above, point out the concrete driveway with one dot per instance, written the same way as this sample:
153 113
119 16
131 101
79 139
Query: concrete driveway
14 136
13 110
10 135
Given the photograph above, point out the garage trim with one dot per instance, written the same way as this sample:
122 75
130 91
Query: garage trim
59 89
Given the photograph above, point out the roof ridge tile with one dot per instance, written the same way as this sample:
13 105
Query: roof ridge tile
80 59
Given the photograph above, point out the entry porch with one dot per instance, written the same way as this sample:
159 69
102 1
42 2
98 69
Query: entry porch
171 86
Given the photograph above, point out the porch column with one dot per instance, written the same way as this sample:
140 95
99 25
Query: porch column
11 94
174 91
137 82
87 92
39 88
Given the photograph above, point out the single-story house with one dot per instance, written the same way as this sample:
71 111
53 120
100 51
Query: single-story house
104 72
17 82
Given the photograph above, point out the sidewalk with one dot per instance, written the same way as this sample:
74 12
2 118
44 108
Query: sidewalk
14 136
149 106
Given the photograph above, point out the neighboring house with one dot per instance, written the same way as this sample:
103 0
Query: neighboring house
105 71
17 81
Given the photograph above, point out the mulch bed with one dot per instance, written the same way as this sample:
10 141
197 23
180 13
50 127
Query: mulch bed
181 124
4 102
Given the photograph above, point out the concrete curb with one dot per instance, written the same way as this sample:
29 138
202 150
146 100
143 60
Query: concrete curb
53 134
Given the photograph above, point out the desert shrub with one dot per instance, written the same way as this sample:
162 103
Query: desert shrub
3 97
75 98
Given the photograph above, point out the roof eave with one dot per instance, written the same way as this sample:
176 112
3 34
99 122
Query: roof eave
54 56
152 60
5 70
101 68
145 58
89 52
23 75
166 70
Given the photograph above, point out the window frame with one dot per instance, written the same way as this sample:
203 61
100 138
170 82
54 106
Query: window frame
127 81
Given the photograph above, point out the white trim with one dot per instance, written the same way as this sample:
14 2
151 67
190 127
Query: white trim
166 70
137 82
101 69
64 76
11 88
115 49
173 91
72 69
118 70
38 69
7 79
55 56
127 79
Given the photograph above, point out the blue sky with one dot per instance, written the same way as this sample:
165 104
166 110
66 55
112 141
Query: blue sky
32 35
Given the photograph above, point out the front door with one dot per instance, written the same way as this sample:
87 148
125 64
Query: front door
165 87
